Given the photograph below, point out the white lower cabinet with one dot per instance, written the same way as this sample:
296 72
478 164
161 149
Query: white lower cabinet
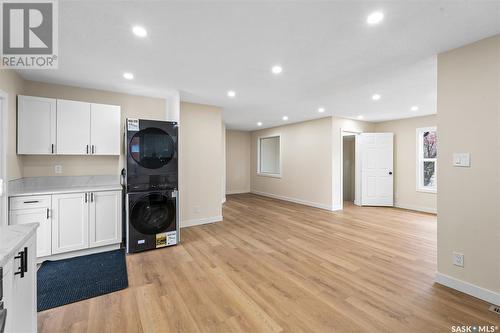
105 218
71 221
20 290
35 210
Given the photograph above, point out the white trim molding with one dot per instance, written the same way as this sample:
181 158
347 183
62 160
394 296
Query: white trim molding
416 208
205 220
468 288
294 200
237 192
4 141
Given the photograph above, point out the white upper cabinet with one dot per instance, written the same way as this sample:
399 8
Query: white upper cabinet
36 131
73 127
56 126
105 129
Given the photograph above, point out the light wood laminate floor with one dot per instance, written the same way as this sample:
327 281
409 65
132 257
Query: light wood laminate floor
274 266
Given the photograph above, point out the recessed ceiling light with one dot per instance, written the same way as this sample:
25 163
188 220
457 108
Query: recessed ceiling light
376 97
360 117
139 31
277 69
375 18
128 75
414 108
321 109
259 124
231 93
285 118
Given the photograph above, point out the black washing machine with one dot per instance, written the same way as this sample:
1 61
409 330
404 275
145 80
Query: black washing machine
151 150
152 220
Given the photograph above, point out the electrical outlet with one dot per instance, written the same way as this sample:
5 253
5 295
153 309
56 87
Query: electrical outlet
458 259
58 168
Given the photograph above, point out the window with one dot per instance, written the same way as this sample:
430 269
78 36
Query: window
269 156
427 159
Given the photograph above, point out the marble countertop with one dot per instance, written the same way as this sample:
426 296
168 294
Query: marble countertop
62 184
12 237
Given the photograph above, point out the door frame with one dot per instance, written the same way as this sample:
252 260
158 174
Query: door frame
4 127
357 169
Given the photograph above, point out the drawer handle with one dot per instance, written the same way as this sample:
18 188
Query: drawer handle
32 201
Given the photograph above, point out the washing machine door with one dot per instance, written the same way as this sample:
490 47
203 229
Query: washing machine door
151 148
153 213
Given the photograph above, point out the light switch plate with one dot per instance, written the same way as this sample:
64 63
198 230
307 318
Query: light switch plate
58 168
461 159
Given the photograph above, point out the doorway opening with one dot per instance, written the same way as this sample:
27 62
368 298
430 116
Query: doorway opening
349 170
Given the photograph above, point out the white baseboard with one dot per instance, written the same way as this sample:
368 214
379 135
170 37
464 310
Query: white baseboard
295 200
79 253
468 288
416 208
193 222
238 191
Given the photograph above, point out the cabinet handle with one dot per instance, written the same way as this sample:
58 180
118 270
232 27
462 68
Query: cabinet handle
87 149
52 148
92 197
23 257
93 149
85 197
32 201
48 213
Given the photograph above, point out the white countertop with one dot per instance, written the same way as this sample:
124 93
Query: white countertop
13 236
62 184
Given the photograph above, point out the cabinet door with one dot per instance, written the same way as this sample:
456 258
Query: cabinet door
70 223
105 129
105 218
24 288
44 231
36 125
73 127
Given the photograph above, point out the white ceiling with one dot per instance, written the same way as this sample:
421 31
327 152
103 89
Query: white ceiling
330 56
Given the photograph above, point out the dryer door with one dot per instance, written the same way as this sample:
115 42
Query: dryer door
151 148
153 213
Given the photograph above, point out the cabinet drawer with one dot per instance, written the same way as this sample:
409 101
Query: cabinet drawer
35 201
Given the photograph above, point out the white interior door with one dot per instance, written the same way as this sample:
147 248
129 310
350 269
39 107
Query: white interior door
376 169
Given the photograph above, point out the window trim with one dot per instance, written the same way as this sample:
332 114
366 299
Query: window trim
420 160
267 174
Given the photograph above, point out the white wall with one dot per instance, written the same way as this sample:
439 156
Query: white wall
238 148
202 163
306 156
468 120
405 162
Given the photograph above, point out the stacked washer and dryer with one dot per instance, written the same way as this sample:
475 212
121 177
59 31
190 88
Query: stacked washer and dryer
151 186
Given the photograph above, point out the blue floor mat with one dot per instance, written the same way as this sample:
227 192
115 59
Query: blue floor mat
70 280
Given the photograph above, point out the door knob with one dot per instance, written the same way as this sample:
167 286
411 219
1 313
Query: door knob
390 172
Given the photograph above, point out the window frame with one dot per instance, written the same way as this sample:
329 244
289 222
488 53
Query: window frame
420 160
267 174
